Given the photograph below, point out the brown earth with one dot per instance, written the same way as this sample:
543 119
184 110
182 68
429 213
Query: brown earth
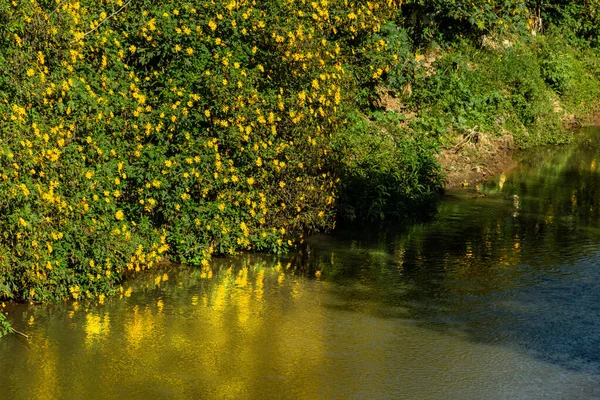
592 120
475 157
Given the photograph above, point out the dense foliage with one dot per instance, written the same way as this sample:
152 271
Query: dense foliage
387 172
447 20
134 131
524 90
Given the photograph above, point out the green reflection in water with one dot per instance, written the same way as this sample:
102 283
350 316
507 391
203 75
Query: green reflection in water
496 297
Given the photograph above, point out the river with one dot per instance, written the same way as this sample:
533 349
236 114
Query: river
496 297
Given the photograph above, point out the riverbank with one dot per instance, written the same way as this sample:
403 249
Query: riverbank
477 157
472 161
484 101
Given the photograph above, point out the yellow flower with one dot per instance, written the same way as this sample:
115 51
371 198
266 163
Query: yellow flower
119 215
24 189
250 181
212 25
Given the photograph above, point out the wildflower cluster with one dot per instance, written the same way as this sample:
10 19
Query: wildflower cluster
133 131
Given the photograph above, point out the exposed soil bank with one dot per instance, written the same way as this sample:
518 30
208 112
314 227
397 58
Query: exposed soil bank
474 156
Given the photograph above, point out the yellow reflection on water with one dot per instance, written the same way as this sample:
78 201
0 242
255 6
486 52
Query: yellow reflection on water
219 297
502 180
259 283
139 327
469 250
96 327
45 380
242 277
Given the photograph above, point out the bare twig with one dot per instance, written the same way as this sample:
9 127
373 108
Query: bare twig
107 18
59 5
472 135
19 333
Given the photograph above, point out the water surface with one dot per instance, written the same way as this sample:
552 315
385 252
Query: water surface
497 297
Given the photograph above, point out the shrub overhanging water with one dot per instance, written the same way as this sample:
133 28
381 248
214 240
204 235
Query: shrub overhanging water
134 131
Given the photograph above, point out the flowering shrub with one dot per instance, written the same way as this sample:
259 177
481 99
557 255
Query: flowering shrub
131 131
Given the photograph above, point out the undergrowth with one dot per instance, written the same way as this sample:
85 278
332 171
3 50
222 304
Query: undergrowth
526 89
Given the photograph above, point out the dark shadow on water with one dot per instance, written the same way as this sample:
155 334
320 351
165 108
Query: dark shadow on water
515 262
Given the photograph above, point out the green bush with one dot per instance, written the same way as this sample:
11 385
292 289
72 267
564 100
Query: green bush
557 70
525 88
577 20
446 21
571 71
386 172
